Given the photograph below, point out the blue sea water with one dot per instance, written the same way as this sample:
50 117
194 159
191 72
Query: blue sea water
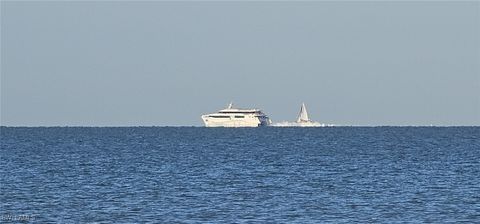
242 175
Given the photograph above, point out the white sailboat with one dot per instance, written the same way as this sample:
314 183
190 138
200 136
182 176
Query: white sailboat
302 120
303 115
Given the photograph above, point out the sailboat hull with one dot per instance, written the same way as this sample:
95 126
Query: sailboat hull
298 124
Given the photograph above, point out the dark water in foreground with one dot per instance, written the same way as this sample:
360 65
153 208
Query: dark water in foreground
309 175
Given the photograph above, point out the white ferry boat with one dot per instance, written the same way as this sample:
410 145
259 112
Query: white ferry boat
234 117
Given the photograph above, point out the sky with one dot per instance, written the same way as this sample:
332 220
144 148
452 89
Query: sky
152 63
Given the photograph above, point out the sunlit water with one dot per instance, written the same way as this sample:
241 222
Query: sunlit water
302 175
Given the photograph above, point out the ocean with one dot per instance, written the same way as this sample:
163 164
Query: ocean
240 175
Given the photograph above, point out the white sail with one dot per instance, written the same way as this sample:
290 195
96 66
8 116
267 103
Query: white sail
303 115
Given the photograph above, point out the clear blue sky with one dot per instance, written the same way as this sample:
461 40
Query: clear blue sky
105 63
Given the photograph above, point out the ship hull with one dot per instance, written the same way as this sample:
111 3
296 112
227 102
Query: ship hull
246 121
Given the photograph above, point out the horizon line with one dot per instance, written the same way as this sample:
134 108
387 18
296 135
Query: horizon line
194 126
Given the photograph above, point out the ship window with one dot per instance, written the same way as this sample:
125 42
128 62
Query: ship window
215 116
237 112
239 116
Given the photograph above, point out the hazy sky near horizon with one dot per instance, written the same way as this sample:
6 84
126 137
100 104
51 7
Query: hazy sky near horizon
102 63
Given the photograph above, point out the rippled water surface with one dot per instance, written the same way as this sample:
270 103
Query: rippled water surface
302 175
